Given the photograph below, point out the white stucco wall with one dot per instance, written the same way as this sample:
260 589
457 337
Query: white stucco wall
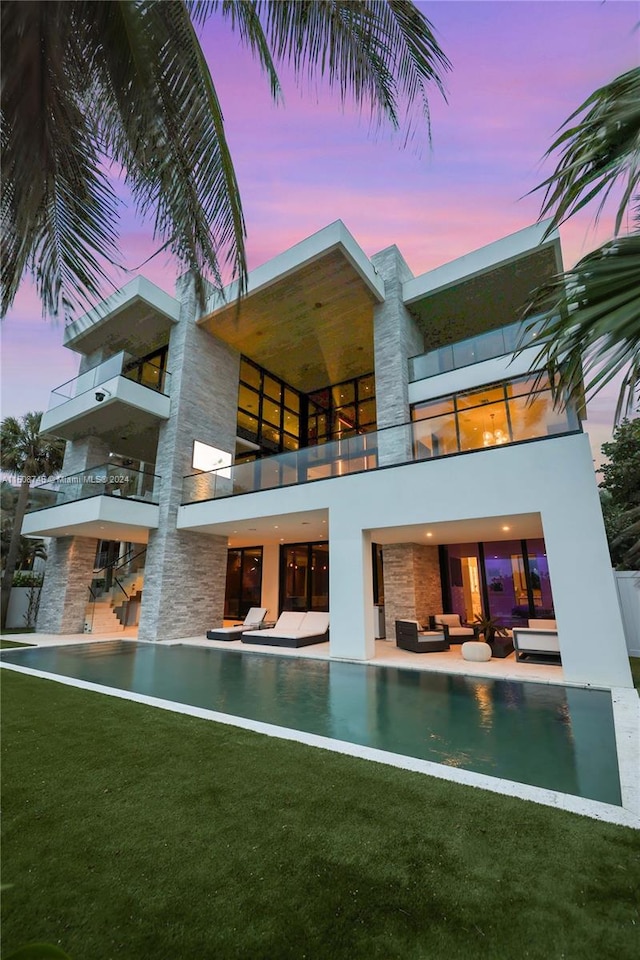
553 477
628 587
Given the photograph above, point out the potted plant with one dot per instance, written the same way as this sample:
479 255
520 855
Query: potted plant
495 635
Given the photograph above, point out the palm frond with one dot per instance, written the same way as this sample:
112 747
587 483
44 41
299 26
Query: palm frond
380 52
243 16
590 324
95 83
600 149
58 207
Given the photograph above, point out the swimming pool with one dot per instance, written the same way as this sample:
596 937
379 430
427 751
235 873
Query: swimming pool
558 738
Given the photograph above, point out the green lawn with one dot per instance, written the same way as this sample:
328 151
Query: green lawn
12 643
132 832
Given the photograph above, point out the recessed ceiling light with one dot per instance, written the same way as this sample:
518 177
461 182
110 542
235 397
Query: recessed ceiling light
275 526
429 534
506 528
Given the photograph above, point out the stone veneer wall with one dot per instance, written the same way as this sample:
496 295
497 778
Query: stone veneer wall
412 587
396 338
84 454
67 576
185 573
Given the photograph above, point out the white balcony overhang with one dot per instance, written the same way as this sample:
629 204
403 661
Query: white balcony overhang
485 289
125 405
307 314
102 517
136 319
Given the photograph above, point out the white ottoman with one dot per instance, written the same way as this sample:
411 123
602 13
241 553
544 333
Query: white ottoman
476 650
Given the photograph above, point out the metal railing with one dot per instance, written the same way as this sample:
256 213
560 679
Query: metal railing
460 429
107 479
486 346
107 583
121 364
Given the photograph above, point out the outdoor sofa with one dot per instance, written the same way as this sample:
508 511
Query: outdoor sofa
253 619
537 643
292 630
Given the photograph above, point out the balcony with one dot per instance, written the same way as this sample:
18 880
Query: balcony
506 413
108 502
107 398
485 346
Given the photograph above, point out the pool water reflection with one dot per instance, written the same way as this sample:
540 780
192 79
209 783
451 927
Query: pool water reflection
560 738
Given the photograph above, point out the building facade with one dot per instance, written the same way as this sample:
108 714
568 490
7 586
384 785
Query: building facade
348 438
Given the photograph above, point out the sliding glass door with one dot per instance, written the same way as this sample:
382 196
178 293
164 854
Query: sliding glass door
244 582
304 576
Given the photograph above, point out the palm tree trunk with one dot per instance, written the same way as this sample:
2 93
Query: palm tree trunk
14 547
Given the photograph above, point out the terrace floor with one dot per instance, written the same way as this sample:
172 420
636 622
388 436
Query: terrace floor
386 654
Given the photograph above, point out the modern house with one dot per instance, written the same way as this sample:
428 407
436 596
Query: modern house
349 438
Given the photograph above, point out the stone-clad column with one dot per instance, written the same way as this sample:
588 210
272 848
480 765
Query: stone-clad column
65 591
185 572
396 338
412 587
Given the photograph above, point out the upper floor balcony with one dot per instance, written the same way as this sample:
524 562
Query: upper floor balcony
505 413
105 398
109 502
485 346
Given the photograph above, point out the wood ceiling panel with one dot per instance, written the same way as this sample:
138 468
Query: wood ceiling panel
311 328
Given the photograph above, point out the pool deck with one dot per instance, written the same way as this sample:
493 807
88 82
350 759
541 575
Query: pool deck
626 714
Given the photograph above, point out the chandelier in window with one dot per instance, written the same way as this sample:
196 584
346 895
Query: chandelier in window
494 436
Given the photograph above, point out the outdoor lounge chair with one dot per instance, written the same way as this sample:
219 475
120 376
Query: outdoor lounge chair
410 637
537 643
292 630
456 631
254 617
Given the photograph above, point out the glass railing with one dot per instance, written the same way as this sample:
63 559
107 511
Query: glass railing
104 480
452 425
120 365
486 346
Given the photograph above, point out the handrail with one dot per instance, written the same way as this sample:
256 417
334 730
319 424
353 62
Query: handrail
488 345
105 479
120 364
446 426
118 562
121 587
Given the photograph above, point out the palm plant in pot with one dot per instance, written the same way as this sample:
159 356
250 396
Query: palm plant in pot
491 630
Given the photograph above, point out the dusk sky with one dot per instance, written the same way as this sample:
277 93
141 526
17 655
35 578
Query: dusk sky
519 70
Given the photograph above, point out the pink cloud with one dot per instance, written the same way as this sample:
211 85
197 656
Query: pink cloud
519 70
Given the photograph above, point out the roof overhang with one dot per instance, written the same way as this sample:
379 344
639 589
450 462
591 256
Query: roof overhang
136 318
307 314
485 289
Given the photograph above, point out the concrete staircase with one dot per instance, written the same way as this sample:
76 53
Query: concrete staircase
105 615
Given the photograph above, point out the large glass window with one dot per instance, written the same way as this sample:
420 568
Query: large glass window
150 371
304 580
244 581
342 410
520 409
507 580
268 413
